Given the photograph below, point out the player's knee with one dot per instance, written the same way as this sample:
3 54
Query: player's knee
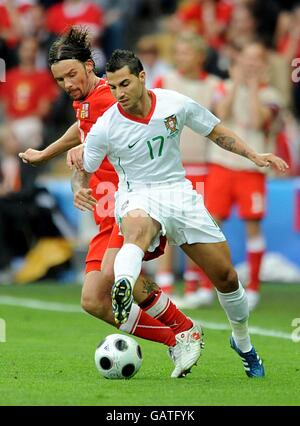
138 235
229 281
93 306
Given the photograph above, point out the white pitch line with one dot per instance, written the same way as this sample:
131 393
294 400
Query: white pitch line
65 307
253 330
39 304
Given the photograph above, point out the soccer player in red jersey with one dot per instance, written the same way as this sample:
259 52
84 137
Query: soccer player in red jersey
156 317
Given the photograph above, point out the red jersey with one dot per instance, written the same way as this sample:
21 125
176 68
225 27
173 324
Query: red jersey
87 113
24 91
61 16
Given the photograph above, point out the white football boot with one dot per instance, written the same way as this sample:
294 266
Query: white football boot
187 350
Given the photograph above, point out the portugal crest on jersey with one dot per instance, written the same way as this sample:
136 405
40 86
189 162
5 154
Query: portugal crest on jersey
171 125
85 111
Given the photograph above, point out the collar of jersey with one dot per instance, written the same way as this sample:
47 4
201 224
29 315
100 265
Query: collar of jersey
144 120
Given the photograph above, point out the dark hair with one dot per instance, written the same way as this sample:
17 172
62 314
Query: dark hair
123 58
74 44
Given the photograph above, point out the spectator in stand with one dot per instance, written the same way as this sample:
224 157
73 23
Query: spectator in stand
26 211
209 18
118 18
36 28
250 106
75 12
9 164
242 26
288 34
190 79
83 13
244 29
149 54
288 45
13 17
27 95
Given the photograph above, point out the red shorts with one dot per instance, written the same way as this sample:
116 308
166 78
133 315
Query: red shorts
109 238
116 241
196 173
226 187
104 191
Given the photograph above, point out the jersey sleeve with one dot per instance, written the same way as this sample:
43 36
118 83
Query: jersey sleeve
198 118
95 147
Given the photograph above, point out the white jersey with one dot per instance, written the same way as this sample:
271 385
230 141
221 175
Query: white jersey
146 150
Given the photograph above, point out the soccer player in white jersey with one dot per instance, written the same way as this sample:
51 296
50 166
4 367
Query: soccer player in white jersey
141 135
189 78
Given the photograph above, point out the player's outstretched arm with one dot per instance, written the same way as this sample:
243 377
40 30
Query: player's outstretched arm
228 140
83 199
68 140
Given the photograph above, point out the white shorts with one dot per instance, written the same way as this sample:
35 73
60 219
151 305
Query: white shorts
176 206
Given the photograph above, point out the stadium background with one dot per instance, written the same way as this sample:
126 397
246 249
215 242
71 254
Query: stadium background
122 24
112 23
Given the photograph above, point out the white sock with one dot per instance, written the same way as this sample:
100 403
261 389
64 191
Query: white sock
256 244
235 305
164 279
133 319
128 263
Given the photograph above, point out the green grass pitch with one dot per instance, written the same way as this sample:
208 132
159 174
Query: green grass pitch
48 356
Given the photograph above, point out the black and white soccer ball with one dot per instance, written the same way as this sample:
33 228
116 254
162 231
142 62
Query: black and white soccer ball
118 357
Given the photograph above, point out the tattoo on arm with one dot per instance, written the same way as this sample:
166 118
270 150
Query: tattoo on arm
149 286
229 143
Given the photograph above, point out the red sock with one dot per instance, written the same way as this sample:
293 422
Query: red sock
205 281
165 280
254 262
159 306
141 324
191 279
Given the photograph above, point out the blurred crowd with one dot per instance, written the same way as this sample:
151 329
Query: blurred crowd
34 112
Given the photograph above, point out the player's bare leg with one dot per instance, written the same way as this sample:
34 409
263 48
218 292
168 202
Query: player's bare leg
97 287
96 296
96 291
158 319
138 229
215 260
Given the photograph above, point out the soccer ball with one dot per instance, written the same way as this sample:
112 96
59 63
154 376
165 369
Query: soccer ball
118 357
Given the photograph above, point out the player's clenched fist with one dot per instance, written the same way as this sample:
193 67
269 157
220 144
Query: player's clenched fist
32 156
75 158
